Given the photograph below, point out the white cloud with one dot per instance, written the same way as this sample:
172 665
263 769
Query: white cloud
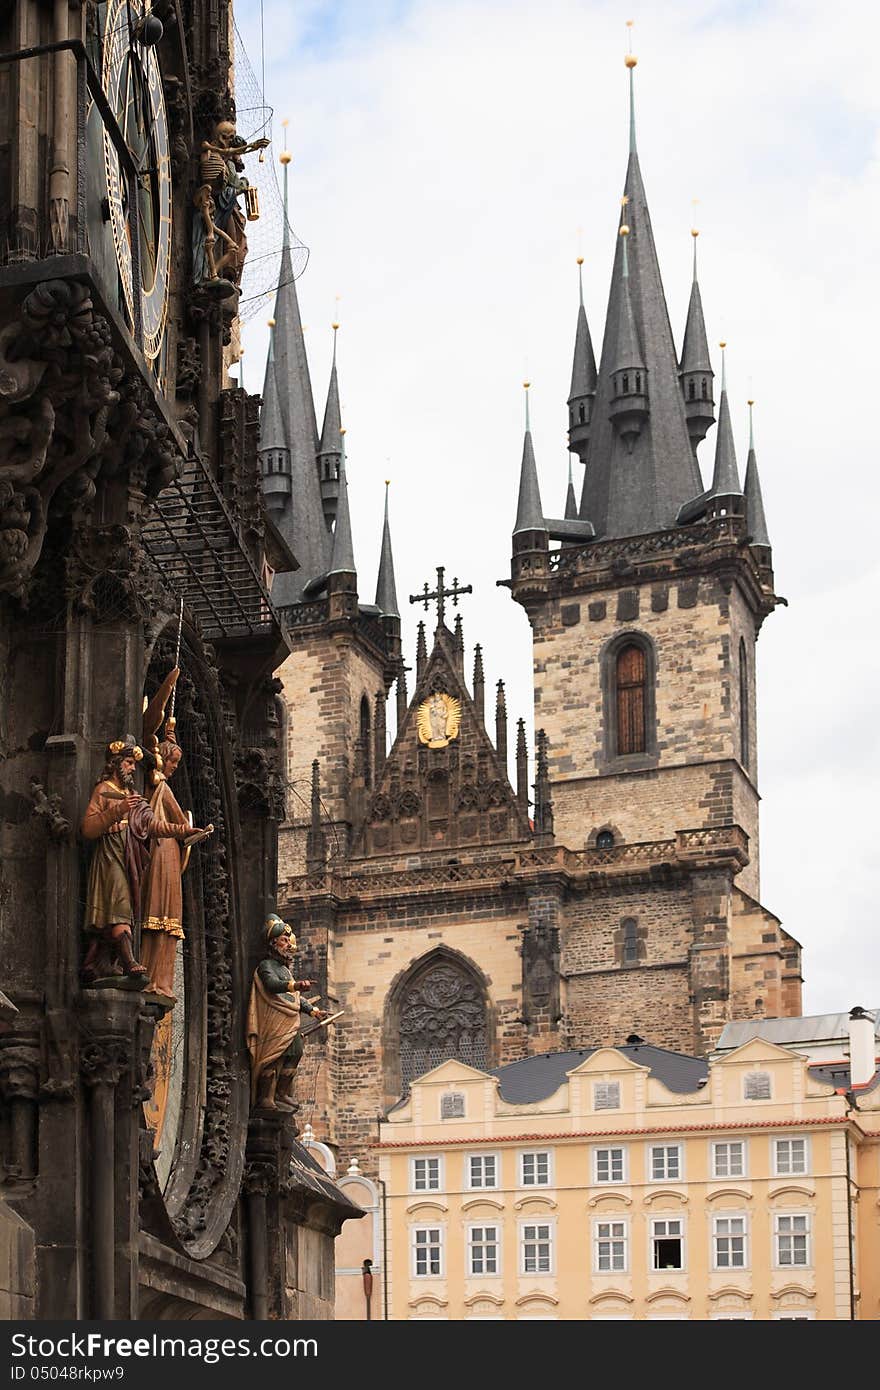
445 155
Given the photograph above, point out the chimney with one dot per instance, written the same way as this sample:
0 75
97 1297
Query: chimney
861 1047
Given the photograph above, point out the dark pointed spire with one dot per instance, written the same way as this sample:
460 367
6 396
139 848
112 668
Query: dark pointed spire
386 588
458 644
755 518
301 521
583 378
571 506
633 486
696 365
479 684
330 448
402 696
725 478
543 801
316 840
501 724
421 652
522 766
342 558
379 739
274 453
529 513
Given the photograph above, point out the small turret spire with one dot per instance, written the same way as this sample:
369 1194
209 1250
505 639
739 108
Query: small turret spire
529 512
522 765
458 643
386 588
628 407
421 652
755 518
479 684
695 369
501 724
330 447
342 557
543 801
725 479
402 695
316 841
571 507
583 378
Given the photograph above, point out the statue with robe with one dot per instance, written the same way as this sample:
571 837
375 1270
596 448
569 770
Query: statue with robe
274 1040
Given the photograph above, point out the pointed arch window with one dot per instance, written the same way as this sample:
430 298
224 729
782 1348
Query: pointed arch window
582 414
704 389
366 742
441 1013
630 683
743 705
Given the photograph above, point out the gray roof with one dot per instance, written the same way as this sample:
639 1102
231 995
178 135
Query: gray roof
342 558
529 512
629 350
571 506
271 424
789 1032
836 1074
331 432
386 589
627 493
695 345
302 522
583 367
536 1078
755 518
307 1175
725 478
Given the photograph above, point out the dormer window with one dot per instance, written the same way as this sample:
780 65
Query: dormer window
605 839
625 382
692 389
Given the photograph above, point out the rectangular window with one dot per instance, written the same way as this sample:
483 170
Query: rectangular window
790 1157
427 1251
534 1169
792 1240
426 1175
536 1246
665 1162
606 1095
667 1243
483 1250
610 1165
730 1242
729 1159
609 1247
482 1170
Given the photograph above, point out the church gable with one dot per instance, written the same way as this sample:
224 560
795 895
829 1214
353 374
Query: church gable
443 784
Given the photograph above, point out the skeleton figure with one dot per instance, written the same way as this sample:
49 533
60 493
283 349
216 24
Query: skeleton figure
218 216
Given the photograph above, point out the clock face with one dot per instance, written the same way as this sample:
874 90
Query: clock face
133 85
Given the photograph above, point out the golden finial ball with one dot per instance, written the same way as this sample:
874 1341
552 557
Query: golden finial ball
270 323
580 260
285 157
527 384
334 326
387 482
750 404
342 429
694 232
723 345
624 229
630 60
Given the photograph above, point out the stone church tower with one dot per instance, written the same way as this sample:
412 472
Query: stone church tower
445 910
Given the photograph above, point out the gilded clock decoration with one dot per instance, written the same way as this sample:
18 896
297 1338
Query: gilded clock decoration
439 720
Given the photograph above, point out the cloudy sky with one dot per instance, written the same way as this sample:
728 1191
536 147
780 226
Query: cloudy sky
451 160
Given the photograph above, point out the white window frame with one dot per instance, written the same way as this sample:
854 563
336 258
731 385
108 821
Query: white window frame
650 1164
742 1216
520 1167
807 1233
790 1139
682 1236
795 1315
482 1187
426 1158
609 1149
536 1223
472 1226
428 1226
727 1177
610 1222
612 1090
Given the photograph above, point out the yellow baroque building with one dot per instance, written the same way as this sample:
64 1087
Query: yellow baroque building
634 1182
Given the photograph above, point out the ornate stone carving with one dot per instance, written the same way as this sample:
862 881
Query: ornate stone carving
104 1061
48 807
442 1014
67 410
540 973
19 1068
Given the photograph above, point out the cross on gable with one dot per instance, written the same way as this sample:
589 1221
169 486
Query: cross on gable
441 594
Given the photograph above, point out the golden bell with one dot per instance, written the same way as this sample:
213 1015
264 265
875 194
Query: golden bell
251 204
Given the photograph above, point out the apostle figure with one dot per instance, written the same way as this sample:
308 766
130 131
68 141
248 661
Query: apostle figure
273 1021
120 824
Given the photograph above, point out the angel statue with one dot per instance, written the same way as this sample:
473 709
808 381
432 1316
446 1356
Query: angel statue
173 837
